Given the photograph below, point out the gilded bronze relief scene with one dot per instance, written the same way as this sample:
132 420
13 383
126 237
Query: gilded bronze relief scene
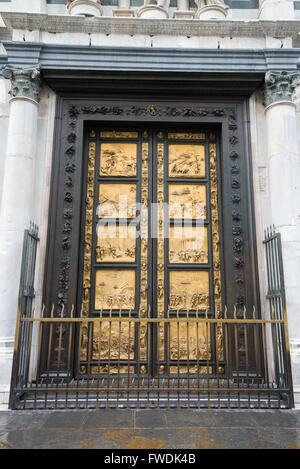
184 220
152 242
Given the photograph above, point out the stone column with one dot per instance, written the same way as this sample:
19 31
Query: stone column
283 157
276 10
33 6
183 11
211 9
87 8
123 9
158 11
17 203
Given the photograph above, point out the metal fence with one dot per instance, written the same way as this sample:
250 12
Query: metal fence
119 360
276 295
25 306
92 376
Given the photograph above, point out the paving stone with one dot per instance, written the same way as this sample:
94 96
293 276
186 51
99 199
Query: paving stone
264 443
4 444
82 439
193 438
276 418
18 420
280 435
233 437
65 419
140 442
234 418
31 439
159 437
110 419
185 438
154 429
154 418
190 418
4 419
121 436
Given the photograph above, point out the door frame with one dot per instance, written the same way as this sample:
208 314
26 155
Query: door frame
232 118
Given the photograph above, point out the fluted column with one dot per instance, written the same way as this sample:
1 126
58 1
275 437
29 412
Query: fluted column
284 173
17 203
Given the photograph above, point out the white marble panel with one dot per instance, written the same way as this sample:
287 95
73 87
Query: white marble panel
276 10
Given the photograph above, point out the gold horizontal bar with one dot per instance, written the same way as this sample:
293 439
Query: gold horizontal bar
156 320
153 389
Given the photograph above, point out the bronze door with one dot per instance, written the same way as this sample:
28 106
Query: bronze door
151 243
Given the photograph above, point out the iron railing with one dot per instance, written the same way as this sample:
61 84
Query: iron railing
185 359
114 370
276 288
276 295
25 305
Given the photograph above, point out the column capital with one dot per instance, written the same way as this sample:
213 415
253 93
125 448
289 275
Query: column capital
25 81
280 85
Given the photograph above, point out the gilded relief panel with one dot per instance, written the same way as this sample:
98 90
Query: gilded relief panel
187 201
115 289
115 286
117 200
114 340
189 289
189 341
192 370
113 370
118 159
116 243
187 160
188 245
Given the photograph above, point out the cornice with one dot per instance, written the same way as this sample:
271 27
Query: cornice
148 59
95 69
171 27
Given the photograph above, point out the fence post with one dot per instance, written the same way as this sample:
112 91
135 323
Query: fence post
277 301
25 303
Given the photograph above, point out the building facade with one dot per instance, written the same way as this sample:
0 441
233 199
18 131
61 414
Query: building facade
211 88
